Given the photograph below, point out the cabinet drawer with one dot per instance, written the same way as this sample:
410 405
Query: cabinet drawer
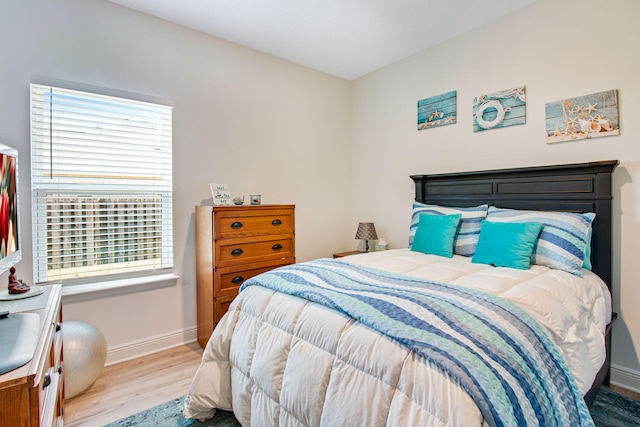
56 348
50 411
221 306
232 252
253 222
227 281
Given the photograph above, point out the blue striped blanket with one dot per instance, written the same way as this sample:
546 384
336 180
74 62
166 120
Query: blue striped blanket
495 350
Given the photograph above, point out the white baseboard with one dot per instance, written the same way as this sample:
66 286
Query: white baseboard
132 350
625 378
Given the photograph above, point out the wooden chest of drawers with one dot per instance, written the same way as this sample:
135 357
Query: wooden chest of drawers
234 243
33 395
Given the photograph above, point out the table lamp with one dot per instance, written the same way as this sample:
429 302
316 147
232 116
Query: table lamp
366 231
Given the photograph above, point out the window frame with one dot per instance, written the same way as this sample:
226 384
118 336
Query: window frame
99 280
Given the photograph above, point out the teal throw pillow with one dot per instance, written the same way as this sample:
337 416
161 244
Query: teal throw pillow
435 234
507 244
587 253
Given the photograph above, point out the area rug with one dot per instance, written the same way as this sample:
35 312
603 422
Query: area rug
169 414
614 410
609 410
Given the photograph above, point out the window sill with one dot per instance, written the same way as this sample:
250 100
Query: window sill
110 288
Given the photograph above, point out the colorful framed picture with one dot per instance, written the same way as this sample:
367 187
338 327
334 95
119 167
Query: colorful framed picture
589 116
9 243
499 109
437 111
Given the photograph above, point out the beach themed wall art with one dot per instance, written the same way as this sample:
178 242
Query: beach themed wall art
437 111
499 109
589 116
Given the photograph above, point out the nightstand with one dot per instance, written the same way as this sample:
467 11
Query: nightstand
341 254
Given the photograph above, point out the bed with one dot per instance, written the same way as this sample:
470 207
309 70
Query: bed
362 340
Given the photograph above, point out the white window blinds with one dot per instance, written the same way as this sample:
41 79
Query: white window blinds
101 177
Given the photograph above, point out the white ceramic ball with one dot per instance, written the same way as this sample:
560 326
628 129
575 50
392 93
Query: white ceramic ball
84 353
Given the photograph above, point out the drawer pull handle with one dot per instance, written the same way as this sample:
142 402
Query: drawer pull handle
236 225
59 369
276 222
276 247
237 252
47 380
237 279
58 326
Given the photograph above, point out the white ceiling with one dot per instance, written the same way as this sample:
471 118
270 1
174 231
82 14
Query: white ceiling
345 38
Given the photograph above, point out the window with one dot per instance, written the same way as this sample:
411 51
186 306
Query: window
101 177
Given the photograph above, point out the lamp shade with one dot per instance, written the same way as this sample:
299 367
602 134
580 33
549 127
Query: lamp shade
366 231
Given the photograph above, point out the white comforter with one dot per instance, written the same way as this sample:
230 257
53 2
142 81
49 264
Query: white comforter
275 359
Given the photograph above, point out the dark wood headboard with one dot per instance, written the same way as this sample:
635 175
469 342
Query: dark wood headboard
582 187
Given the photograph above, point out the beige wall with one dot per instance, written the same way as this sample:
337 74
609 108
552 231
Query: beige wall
557 50
261 124
342 152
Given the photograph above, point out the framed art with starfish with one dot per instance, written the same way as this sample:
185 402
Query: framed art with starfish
589 116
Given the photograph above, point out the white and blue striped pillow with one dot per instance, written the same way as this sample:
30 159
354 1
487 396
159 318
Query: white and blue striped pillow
466 238
563 240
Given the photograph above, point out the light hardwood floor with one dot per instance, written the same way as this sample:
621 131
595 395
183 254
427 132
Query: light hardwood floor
133 386
624 392
129 387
